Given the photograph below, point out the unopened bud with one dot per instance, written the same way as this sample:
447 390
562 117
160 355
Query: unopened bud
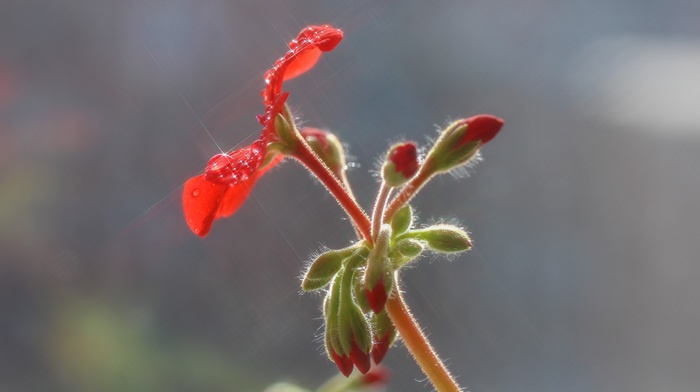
409 248
461 140
354 330
334 348
443 238
384 335
401 164
379 276
327 146
322 270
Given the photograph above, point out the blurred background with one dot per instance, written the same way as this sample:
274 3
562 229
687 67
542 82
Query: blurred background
585 212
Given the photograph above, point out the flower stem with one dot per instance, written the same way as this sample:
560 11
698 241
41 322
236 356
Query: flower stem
408 191
307 157
379 206
418 344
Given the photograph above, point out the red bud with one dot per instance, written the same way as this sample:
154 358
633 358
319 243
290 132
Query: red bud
482 127
344 363
360 358
377 297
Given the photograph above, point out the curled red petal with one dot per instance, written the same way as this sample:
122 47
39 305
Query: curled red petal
325 37
303 54
200 202
301 63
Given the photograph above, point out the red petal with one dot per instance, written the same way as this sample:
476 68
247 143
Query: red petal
303 54
234 196
200 201
302 62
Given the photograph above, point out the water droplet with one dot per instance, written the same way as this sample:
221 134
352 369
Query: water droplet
196 192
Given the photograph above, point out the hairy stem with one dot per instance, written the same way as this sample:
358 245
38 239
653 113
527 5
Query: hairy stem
418 344
408 191
312 162
379 206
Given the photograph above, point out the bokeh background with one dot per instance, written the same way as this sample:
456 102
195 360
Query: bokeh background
585 212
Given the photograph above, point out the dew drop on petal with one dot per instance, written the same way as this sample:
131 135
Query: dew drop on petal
196 192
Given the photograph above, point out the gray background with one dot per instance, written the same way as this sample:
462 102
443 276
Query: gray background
584 212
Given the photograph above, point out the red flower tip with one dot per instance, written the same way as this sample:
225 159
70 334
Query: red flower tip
482 127
360 358
380 347
303 54
377 297
325 37
405 159
377 376
344 363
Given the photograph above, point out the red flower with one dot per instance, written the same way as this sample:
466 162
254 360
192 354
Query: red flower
228 178
223 187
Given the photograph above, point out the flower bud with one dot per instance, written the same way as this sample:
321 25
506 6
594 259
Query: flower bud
354 330
384 335
402 220
401 164
443 238
327 146
322 270
461 140
334 348
285 132
379 277
405 251
355 333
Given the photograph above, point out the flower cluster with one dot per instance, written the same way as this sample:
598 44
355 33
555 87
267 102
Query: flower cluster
362 308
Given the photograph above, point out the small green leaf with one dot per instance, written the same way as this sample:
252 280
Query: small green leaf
402 220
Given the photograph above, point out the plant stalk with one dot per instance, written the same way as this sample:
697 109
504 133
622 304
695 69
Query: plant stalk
418 344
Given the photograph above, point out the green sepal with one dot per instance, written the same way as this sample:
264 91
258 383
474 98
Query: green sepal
286 133
331 314
442 238
402 220
359 294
